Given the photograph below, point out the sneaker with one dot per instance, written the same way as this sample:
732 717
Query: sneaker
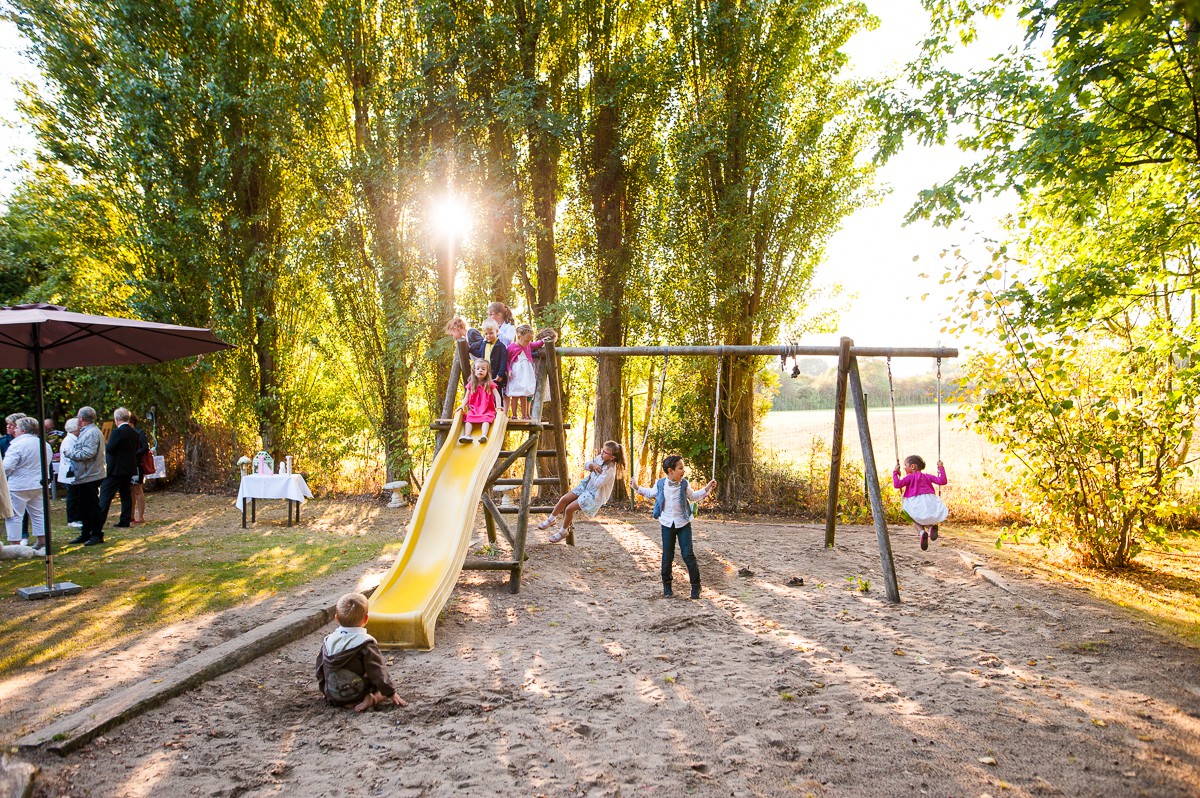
39 552
933 532
549 522
76 525
464 438
667 590
924 540
483 439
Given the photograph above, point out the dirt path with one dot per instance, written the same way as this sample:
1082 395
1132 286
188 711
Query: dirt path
588 682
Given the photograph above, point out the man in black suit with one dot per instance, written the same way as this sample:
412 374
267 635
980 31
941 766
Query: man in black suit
121 459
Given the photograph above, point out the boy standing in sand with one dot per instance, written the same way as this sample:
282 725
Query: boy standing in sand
350 667
672 508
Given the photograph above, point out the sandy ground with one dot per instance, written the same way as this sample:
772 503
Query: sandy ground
589 682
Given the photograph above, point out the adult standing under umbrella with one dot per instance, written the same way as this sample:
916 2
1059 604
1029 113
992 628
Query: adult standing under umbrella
42 336
88 457
25 468
121 453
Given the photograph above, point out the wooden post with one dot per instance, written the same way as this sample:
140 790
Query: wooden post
461 355
872 477
556 416
835 452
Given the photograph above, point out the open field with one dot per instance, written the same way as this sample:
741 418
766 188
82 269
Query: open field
588 682
965 454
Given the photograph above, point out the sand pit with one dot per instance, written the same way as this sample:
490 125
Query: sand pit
588 682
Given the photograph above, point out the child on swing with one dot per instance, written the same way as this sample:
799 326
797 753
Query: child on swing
921 501
672 507
591 493
481 401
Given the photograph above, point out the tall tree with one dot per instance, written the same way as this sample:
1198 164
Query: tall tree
763 148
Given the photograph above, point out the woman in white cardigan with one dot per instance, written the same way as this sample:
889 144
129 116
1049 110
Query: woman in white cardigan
23 467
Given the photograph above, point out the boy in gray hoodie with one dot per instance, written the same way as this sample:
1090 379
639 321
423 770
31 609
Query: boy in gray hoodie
350 667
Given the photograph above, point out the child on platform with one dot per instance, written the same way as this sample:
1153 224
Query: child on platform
350 667
503 316
672 508
921 501
489 347
591 493
522 381
480 402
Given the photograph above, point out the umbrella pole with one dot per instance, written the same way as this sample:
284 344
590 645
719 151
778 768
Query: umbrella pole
40 389
50 589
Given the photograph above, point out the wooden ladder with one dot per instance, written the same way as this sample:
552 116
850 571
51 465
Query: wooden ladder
547 371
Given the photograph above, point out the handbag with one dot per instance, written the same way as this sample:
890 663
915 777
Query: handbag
146 463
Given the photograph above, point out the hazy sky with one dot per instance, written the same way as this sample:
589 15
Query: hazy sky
872 256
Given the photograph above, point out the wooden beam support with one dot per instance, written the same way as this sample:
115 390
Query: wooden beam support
873 491
835 450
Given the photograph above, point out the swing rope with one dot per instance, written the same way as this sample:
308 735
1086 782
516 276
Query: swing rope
939 409
716 417
895 435
662 386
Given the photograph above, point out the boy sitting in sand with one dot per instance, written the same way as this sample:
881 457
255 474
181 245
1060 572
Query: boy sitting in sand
350 667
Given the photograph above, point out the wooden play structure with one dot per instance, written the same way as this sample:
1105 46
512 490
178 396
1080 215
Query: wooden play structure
549 381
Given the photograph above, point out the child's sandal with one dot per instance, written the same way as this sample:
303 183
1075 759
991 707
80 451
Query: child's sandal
560 535
549 522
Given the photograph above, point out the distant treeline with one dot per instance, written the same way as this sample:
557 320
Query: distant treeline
815 386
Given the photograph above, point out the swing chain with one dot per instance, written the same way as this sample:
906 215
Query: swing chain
892 394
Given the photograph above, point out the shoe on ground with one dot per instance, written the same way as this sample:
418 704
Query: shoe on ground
667 591
933 532
93 541
924 540
40 552
549 522
79 540
695 591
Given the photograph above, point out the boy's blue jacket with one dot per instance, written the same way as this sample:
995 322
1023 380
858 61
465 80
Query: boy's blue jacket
660 500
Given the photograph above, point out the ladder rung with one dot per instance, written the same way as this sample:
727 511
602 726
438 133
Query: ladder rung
521 481
549 508
446 423
478 564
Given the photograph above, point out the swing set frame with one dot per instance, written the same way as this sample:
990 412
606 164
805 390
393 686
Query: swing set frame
848 380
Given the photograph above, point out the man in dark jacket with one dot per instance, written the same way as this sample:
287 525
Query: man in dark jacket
121 461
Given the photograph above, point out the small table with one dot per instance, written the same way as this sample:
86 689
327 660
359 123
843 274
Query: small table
290 487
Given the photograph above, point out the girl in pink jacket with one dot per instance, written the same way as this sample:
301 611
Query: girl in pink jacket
921 501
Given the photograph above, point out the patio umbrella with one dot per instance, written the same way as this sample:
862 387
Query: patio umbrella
41 336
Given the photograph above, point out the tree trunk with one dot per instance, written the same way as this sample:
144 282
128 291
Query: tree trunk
607 173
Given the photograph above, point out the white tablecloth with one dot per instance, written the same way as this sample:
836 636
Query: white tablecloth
273 486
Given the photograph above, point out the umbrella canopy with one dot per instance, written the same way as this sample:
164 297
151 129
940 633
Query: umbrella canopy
42 336
64 339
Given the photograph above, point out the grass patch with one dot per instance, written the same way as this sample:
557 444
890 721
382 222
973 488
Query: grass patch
1162 586
196 560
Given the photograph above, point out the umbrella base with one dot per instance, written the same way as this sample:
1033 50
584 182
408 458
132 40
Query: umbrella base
43 592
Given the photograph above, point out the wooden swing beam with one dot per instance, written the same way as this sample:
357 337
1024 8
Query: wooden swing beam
847 379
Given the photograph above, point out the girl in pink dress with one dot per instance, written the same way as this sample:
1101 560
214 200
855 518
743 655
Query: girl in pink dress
921 502
481 401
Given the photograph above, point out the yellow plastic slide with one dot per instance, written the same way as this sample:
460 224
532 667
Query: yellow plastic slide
405 606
